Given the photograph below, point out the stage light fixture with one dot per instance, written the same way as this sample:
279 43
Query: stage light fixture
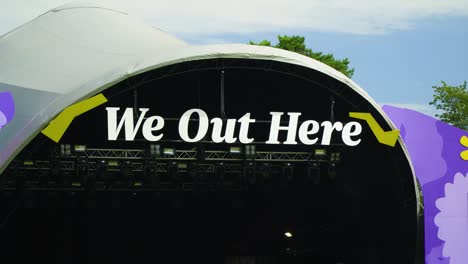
266 171
126 171
288 172
125 167
335 157
91 182
169 151
155 150
151 174
62 150
67 150
250 151
111 163
313 172
80 148
320 152
101 169
220 170
83 169
249 173
182 166
172 170
332 171
235 150
28 163
288 234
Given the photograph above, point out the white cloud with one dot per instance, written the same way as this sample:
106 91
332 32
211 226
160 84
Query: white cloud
207 17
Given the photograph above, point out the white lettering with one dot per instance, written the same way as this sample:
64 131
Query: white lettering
244 129
113 129
349 130
224 131
307 128
203 123
291 128
328 128
218 128
148 128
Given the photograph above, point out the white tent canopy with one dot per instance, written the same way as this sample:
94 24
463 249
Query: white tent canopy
75 51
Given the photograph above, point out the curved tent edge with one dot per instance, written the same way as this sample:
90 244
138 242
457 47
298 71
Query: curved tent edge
194 53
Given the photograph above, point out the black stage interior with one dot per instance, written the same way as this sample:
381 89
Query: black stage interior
359 208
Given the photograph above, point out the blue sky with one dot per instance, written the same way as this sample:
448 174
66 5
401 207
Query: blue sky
399 48
395 68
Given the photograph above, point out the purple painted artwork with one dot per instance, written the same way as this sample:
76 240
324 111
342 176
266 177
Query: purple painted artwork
7 108
435 151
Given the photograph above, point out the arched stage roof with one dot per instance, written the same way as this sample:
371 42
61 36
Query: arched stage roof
75 51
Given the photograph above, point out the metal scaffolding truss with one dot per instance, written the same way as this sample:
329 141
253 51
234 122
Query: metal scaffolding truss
113 154
136 166
138 161
138 154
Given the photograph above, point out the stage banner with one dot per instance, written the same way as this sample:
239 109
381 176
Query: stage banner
439 153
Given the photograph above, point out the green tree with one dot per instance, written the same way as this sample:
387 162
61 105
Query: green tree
452 101
297 44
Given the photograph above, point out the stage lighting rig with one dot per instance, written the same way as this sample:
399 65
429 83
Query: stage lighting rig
155 150
266 171
125 169
82 169
287 172
332 171
101 172
249 173
235 150
220 171
173 171
335 157
250 152
79 148
320 154
169 152
126 172
313 172
151 175
65 150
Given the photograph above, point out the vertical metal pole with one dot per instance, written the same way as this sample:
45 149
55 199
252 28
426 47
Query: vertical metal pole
332 109
135 104
198 94
223 111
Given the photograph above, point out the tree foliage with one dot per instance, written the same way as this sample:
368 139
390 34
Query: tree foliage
297 44
452 101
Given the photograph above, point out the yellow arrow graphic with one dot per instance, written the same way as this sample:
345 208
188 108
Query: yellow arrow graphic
387 138
59 125
464 142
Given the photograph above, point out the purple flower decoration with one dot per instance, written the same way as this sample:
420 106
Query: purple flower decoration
7 108
453 219
435 148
